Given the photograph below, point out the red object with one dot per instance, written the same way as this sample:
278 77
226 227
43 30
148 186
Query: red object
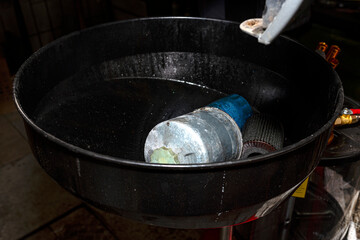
355 111
214 234
211 234
249 220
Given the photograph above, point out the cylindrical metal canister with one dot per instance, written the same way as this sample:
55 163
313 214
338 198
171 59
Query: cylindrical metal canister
205 135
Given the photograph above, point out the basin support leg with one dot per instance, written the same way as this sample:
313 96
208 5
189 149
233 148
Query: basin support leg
226 233
288 218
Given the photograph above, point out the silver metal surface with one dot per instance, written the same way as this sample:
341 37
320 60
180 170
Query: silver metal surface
278 15
202 136
346 111
253 27
226 233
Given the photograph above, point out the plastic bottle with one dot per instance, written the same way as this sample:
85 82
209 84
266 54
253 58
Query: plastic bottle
209 134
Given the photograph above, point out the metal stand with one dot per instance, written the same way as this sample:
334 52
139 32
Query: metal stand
288 218
226 233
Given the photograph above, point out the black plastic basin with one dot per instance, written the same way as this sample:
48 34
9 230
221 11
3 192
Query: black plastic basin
89 100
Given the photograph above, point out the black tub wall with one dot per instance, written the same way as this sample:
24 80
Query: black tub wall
28 25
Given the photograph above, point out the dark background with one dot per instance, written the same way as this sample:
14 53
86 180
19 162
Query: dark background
32 206
27 25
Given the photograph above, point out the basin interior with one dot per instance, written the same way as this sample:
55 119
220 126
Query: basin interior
109 103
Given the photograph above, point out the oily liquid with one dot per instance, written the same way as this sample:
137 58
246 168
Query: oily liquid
113 117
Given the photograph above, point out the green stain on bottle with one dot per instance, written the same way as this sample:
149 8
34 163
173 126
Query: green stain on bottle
164 155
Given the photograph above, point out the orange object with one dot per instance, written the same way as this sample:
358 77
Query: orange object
334 62
330 56
346 119
332 53
322 46
331 137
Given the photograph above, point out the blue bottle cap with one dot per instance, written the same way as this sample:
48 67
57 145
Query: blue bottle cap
236 106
